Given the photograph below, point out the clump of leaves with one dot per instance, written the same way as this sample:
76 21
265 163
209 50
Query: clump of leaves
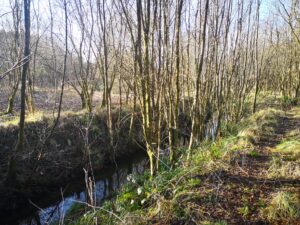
283 207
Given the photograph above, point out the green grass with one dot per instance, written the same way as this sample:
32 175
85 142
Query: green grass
289 148
254 154
169 196
259 124
244 211
283 207
74 212
13 120
280 168
286 162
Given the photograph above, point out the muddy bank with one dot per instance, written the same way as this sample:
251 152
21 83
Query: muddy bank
47 163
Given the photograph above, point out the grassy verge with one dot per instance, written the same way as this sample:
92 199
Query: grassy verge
171 196
286 160
284 207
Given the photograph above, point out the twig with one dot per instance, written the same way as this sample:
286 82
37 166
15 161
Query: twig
101 208
36 206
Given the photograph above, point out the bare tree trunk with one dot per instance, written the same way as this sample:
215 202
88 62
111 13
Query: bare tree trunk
177 100
197 85
257 63
12 170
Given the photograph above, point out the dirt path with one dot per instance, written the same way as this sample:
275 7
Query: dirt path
238 195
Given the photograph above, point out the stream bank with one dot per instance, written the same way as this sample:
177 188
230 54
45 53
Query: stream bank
58 202
50 162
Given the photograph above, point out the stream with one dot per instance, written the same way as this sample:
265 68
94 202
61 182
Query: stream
56 204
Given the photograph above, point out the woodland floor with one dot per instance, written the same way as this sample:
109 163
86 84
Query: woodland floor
237 195
46 102
45 99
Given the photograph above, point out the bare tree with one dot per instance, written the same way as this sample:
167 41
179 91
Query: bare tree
11 174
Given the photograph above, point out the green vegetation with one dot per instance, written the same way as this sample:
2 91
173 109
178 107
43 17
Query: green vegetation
173 195
38 116
286 161
284 207
289 148
288 101
261 123
283 168
203 88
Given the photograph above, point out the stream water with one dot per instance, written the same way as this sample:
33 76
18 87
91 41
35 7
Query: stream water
56 204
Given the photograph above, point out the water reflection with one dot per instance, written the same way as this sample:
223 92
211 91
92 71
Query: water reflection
107 182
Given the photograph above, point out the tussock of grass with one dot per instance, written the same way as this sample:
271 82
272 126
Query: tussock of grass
283 169
283 207
296 112
252 130
287 163
75 211
294 133
259 124
289 148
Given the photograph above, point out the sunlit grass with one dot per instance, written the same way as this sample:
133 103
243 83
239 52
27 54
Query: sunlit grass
289 148
284 207
259 124
286 162
171 193
280 168
14 119
294 133
296 112
266 99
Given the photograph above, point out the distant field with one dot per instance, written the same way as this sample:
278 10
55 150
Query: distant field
45 98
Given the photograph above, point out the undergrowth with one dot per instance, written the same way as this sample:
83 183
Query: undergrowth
171 196
259 124
286 162
283 208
